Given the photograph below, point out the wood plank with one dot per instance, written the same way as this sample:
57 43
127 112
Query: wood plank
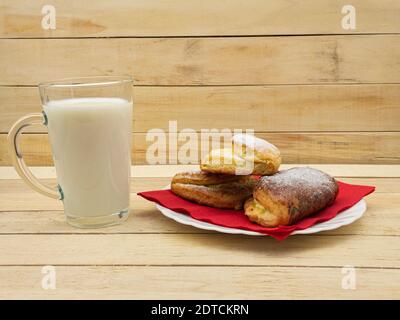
127 282
306 148
354 171
199 249
262 108
337 170
189 17
18 215
144 183
206 61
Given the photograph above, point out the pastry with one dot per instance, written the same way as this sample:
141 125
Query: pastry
248 155
214 190
290 195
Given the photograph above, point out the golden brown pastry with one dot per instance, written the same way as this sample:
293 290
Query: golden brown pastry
290 195
248 155
214 190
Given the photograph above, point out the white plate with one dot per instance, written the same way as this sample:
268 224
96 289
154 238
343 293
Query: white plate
344 218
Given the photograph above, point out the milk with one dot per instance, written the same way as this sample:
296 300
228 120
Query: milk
91 143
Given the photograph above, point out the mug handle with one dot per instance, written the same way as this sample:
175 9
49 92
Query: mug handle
18 161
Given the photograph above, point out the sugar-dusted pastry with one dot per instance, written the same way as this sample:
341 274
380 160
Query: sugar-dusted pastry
290 195
248 155
214 190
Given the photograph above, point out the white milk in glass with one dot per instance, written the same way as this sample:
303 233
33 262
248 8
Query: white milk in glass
91 143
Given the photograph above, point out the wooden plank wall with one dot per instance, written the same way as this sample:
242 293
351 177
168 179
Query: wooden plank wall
284 68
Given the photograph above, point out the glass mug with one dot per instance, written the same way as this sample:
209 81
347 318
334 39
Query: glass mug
89 122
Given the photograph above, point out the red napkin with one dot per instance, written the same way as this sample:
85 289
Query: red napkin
349 195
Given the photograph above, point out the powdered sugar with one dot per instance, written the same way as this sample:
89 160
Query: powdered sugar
304 186
253 142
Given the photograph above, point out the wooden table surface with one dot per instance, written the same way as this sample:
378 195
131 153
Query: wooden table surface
150 256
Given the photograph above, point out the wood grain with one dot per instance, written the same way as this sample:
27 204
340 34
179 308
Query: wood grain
145 183
199 249
333 147
191 18
262 108
206 61
354 171
191 282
